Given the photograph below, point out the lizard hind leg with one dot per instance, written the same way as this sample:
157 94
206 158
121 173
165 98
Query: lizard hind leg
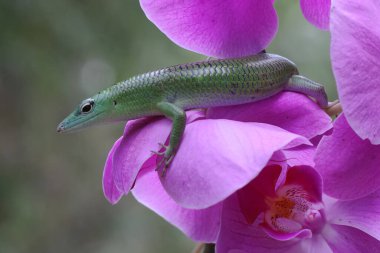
308 87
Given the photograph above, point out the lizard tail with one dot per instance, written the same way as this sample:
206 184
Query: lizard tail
308 87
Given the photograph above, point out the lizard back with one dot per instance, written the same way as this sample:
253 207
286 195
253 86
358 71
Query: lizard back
205 84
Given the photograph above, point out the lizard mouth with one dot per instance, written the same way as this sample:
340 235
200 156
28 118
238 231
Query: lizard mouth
68 125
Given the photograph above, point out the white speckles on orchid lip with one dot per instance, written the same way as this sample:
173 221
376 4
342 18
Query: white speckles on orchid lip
292 210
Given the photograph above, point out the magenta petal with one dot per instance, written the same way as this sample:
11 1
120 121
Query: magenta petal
218 157
317 244
219 28
291 111
301 155
355 52
349 165
363 214
110 190
236 235
347 239
317 12
252 196
278 158
140 138
200 225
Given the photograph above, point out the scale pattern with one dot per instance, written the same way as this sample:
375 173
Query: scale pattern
203 84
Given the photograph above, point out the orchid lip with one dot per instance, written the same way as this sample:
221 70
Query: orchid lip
292 211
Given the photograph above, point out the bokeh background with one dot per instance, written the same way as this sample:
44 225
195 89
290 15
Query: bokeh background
52 55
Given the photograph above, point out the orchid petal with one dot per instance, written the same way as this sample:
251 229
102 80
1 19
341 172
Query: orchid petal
301 155
291 111
140 138
278 158
363 214
355 52
218 157
317 244
317 12
349 165
199 225
111 192
219 28
252 196
344 239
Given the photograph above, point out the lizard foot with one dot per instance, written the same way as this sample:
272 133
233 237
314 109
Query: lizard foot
165 158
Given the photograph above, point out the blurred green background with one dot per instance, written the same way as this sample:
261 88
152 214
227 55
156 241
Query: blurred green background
52 55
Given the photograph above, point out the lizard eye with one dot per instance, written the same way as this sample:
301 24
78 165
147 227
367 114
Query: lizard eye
87 106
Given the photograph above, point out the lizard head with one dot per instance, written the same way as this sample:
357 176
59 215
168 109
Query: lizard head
89 112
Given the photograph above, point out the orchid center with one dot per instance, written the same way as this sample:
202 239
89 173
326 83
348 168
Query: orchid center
292 210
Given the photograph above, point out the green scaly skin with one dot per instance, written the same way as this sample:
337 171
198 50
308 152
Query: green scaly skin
171 91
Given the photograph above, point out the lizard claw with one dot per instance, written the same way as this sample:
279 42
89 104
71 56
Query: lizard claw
166 158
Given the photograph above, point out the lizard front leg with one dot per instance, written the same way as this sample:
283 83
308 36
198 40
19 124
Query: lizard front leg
178 117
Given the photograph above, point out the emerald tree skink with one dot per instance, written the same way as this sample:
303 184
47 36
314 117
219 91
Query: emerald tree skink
171 91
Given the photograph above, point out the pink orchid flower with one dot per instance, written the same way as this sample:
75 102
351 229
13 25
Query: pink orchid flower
221 152
287 212
280 209
277 214
217 189
239 28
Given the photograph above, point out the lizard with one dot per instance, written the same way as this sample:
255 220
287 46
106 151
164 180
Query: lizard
172 90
